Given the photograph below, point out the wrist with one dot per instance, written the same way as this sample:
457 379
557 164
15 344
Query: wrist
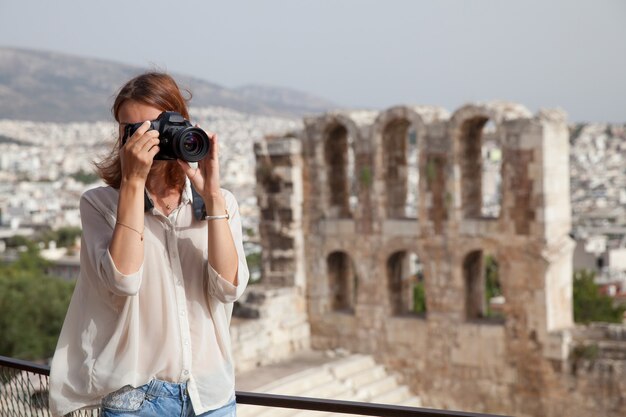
132 184
215 205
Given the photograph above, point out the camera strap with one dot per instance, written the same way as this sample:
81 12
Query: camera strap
199 209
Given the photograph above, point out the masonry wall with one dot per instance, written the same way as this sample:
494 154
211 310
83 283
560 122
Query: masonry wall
364 246
269 325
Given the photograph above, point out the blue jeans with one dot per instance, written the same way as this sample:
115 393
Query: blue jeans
157 399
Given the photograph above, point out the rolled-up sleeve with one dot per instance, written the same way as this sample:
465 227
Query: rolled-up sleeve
118 283
220 288
97 233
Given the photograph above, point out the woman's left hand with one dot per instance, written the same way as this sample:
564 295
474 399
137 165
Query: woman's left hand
222 253
206 177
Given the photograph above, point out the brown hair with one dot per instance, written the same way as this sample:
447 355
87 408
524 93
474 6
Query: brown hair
160 91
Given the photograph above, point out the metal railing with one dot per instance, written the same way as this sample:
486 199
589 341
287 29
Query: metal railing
24 392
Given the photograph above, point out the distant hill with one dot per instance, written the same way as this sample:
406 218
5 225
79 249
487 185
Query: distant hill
53 87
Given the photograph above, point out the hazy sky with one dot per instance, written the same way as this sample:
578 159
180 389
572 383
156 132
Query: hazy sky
358 53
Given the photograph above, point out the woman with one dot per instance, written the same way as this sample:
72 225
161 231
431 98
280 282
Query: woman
146 333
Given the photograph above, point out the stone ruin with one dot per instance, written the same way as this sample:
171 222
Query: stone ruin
379 226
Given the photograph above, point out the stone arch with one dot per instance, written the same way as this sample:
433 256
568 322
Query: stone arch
498 111
476 130
342 281
405 283
338 150
473 278
484 297
398 135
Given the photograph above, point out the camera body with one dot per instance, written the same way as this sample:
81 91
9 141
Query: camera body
178 139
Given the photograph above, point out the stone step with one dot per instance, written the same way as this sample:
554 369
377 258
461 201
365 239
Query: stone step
332 389
294 385
353 378
246 410
395 396
377 388
351 365
366 376
413 401
300 382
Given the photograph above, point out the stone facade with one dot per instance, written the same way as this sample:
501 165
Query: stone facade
269 325
345 218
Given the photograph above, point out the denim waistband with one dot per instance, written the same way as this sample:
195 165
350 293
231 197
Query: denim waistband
158 388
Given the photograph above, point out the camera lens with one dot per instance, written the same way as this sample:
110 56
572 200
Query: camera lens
193 145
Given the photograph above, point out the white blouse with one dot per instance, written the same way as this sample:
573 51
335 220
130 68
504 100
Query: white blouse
167 321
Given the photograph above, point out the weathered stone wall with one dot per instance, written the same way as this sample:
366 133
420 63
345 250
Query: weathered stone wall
269 325
356 238
279 196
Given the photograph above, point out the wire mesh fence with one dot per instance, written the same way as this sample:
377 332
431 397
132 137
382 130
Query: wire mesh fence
24 393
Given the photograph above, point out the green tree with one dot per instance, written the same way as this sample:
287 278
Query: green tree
32 307
589 304
64 236
17 241
493 288
253 260
419 298
85 177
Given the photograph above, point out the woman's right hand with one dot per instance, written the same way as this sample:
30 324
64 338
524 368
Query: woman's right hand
137 154
136 157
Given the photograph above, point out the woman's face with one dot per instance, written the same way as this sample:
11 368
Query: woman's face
135 112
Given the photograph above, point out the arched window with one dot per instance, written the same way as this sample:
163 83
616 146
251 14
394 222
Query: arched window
405 280
339 159
342 282
491 173
481 162
400 164
411 208
484 298
474 285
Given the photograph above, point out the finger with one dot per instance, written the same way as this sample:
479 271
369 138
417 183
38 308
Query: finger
183 164
149 143
201 163
140 136
140 131
191 172
215 146
187 169
144 143
212 139
153 151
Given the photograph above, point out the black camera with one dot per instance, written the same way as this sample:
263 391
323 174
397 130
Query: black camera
178 138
